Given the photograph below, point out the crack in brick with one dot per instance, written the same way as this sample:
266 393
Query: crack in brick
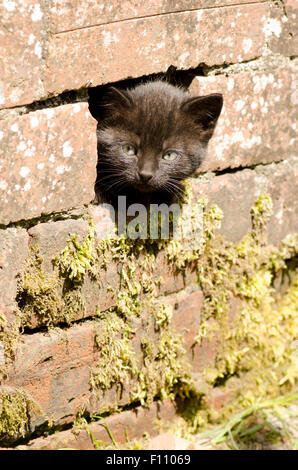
161 14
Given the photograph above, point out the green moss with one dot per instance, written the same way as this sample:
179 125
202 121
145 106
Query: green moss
9 337
255 340
255 343
117 362
38 292
49 299
76 259
15 410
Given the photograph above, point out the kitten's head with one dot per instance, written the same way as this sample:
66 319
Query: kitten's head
153 136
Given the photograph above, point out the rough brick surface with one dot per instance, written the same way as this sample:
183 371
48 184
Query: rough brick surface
13 253
186 318
54 369
235 194
54 162
48 165
52 237
21 52
258 120
81 13
128 424
84 56
283 27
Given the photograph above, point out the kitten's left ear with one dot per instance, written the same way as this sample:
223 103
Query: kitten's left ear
205 110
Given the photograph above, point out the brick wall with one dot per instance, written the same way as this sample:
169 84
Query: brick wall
52 53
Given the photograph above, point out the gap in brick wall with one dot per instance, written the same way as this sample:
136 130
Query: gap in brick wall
179 78
66 97
173 76
229 170
46 430
75 213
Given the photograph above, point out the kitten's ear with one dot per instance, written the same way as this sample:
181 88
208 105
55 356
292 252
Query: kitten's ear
117 97
109 103
205 110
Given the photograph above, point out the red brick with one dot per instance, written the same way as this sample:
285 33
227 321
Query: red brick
81 13
235 193
186 318
131 423
186 321
54 162
51 238
257 124
169 279
54 369
218 397
99 54
13 253
21 52
283 28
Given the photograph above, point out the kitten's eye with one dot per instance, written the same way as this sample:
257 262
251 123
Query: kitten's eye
170 156
129 150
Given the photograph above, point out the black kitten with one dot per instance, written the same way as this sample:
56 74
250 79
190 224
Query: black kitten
150 138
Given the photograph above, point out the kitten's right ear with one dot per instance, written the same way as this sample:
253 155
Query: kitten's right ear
118 97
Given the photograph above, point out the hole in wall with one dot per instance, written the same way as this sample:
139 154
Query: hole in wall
178 78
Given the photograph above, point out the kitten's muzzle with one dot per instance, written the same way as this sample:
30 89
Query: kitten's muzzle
145 176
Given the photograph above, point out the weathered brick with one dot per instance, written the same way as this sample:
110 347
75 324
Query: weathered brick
51 238
21 52
131 424
81 13
186 318
257 124
169 279
282 27
54 369
157 42
54 162
13 253
235 193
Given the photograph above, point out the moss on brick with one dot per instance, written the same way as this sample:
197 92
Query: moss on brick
48 299
254 344
255 358
77 259
16 408
38 292
159 369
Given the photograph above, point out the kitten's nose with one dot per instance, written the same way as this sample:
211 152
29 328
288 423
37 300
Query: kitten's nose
145 175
